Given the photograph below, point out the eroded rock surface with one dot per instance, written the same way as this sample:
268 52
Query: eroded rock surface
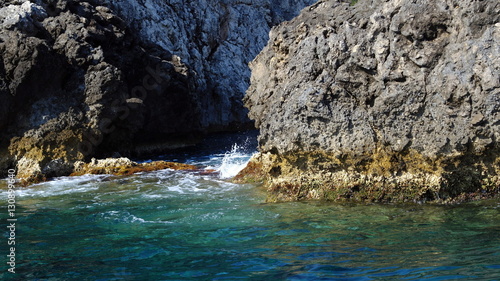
98 78
124 166
382 101
76 83
216 39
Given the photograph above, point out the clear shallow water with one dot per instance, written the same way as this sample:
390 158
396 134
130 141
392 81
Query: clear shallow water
171 225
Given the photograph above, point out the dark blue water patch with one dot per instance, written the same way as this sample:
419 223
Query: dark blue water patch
312 277
330 269
322 256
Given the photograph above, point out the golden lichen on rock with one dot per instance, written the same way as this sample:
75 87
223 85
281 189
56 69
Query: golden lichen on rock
54 156
58 155
379 177
124 167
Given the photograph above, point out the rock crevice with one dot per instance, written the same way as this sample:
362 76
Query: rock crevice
216 39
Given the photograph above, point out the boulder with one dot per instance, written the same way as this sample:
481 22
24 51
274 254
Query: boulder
380 101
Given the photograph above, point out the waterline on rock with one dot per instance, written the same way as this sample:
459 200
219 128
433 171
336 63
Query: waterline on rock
185 225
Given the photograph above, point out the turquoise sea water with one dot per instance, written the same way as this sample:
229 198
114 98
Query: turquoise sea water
175 225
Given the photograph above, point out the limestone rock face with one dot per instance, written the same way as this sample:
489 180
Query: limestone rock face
216 39
381 100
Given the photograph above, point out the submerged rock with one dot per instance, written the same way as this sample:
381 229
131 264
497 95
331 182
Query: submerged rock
216 39
123 166
380 101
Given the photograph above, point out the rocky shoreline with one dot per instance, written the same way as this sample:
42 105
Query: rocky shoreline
118 167
381 101
98 79
321 176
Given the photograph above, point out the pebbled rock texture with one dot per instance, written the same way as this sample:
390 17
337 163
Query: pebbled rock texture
75 82
124 166
380 101
216 39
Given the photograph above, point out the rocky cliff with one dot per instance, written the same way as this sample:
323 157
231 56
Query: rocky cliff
217 39
380 101
96 78
74 83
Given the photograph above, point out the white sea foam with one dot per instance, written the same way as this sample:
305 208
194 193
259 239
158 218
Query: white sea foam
233 162
126 217
60 186
176 188
163 183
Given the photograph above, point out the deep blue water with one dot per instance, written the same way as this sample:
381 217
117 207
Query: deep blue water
175 225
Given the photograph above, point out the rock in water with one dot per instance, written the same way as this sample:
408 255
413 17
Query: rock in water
124 166
380 101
